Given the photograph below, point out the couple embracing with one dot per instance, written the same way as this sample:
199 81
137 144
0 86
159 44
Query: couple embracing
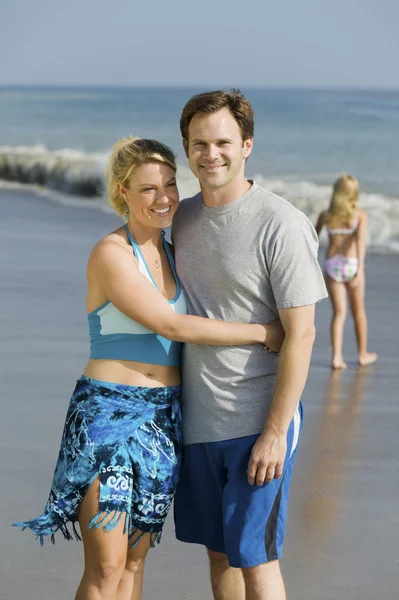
199 353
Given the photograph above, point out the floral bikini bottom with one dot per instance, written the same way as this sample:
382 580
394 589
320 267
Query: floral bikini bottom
341 268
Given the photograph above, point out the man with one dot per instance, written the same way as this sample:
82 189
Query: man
243 254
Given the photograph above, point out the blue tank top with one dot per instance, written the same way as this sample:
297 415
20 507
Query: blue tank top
115 336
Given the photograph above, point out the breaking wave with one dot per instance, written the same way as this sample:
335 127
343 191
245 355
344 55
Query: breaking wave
68 171
75 176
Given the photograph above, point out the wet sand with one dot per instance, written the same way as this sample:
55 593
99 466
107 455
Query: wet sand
343 533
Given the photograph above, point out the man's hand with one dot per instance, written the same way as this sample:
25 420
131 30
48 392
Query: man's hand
267 458
274 336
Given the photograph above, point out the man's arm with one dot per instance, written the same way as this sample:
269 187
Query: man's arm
268 453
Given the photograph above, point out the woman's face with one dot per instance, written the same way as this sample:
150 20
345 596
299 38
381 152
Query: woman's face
152 195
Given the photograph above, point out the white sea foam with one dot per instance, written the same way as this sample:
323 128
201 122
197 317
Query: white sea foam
74 177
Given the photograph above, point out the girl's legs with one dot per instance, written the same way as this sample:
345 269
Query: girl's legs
337 295
356 299
104 551
131 584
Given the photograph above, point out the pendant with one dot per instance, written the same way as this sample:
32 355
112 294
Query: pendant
157 264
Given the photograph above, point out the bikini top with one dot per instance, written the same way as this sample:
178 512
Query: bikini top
343 230
115 336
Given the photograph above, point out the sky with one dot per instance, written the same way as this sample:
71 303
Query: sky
261 43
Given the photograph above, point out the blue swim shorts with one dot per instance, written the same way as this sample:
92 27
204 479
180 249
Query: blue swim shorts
129 438
215 506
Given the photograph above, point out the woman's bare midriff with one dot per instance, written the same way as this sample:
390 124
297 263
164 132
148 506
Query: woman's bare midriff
129 372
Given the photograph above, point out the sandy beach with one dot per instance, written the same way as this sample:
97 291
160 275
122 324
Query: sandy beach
342 538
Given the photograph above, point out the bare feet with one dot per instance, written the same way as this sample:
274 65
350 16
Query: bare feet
338 363
368 359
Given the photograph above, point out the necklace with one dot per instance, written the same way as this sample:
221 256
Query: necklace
156 260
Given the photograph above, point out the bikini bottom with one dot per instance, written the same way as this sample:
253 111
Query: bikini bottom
341 268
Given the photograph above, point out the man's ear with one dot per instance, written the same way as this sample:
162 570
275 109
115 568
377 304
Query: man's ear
248 145
185 146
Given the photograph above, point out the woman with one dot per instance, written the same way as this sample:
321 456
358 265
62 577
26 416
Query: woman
120 452
346 225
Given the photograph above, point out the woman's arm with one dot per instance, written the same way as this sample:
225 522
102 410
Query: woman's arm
117 273
320 223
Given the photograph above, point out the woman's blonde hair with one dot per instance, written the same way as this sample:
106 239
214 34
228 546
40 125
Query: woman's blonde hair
127 155
344 204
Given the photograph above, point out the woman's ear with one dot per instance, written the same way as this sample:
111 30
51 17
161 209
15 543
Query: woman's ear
122 191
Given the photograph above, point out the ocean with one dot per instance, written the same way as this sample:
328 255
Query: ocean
56 141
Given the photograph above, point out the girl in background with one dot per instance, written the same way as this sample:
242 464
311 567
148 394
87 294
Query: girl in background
346 225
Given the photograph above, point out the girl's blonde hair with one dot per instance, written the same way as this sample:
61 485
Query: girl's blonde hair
344 204
127 155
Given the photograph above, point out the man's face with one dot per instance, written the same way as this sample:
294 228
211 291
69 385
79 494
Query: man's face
215 149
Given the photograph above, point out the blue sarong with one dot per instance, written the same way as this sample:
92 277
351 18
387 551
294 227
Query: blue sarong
130 438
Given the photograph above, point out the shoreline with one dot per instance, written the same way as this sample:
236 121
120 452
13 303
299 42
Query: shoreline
383 230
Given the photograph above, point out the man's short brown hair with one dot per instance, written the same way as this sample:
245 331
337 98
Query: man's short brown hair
211 102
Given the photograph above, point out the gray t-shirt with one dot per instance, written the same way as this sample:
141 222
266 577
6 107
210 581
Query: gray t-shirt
239 262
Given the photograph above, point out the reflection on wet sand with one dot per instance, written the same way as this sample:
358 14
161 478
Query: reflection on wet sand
331 453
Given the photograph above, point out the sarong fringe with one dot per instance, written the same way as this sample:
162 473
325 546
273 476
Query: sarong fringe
98 521
76 533
155 537
109 520
127 523
42 528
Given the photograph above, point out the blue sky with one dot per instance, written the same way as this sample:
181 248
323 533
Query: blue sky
306 43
